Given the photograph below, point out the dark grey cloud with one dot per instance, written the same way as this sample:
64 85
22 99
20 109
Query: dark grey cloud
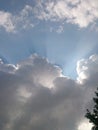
35 95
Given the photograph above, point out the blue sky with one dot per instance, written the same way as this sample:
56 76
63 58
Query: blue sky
61 42
48 63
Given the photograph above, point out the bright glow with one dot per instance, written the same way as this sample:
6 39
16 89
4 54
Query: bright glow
85 126
24 94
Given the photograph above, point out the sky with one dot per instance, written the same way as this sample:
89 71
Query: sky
48 63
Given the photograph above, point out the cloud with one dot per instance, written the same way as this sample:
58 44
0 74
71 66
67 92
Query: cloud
25 18
15 22
6 22
35 95
87 69
85 126
82 13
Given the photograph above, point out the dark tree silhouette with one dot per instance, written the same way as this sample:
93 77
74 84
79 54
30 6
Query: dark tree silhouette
93 116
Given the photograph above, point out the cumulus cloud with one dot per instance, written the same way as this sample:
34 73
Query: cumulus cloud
82 13
35 95
87 68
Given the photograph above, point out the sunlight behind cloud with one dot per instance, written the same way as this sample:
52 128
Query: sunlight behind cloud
27 101
85 126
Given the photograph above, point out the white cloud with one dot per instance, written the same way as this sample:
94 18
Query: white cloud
86 68
25 19
35 95
13 23
82 13
6 21
10 68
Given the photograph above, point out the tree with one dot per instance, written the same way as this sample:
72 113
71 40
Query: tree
93 116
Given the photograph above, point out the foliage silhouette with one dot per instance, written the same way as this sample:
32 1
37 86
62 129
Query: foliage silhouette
93 116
